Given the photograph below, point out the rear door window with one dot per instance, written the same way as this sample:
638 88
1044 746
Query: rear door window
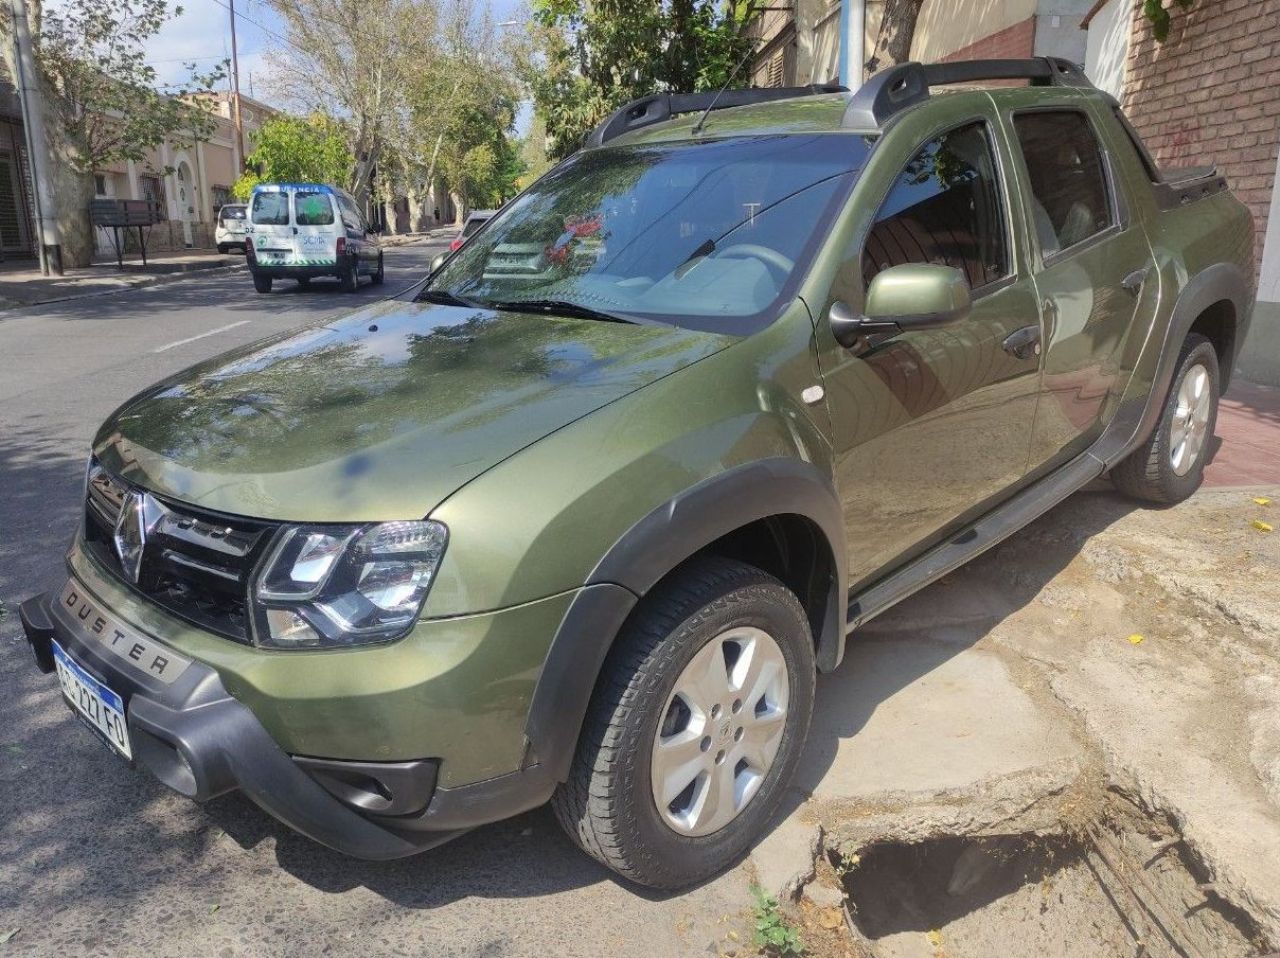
312 208
1070 199
270 208
945 208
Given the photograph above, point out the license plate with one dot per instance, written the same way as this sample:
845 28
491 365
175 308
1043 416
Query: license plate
102 708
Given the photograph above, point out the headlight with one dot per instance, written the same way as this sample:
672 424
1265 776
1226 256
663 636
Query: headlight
337 586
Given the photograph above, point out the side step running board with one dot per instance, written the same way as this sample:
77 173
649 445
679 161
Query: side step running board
997 525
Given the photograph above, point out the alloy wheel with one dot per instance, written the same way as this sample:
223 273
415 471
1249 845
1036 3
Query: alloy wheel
1190 426
720 731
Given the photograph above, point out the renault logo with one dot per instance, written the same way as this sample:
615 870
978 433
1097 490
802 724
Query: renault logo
138 516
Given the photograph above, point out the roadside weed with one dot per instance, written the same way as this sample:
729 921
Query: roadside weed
774 935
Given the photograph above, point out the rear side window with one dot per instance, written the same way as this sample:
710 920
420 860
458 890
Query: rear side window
312 208
1070 199
473 224
944 208
270 208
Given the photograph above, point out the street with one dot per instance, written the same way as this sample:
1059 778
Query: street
98 859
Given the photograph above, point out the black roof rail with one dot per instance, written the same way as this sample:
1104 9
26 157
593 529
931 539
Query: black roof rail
649 110
894 89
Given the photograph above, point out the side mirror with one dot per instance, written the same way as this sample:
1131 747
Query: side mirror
904 297
438 261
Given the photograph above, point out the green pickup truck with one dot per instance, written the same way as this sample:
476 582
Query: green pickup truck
580 516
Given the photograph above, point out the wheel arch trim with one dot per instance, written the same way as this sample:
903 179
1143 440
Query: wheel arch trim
648 551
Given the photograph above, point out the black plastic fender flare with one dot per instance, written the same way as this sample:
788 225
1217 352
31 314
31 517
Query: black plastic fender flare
644 554
1221 281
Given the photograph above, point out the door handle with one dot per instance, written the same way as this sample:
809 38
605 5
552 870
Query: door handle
1023 343
1133 282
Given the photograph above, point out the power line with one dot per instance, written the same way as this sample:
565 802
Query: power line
268 31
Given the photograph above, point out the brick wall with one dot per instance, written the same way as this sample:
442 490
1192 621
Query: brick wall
1211 94
1015 42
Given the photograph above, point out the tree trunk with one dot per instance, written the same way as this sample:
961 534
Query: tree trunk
898 29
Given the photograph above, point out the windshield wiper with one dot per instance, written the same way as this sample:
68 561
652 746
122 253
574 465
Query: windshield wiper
442 297
560 307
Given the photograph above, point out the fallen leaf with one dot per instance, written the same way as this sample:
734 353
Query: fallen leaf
1262 500
935 938
1136 639
1261 526
6 935
830 919
213 908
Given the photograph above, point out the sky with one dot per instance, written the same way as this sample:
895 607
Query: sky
202 33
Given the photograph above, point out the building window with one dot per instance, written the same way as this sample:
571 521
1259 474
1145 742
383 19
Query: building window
152 188
99 184
221 196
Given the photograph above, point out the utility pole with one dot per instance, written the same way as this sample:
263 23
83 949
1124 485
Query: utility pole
235 88
853 32
37 146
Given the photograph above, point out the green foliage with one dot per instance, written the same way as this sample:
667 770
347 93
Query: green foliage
774 935
1154 10
106 96
292 150
591 56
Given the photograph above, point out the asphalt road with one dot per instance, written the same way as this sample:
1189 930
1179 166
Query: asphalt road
97 859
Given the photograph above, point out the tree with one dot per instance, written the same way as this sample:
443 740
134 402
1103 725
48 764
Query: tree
103 101
356 60
591 56
288 149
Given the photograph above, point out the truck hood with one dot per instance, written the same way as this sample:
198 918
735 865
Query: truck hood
382 414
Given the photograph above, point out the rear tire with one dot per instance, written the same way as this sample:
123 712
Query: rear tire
1169 466
262 283
676 649
222 249
304 282
350 278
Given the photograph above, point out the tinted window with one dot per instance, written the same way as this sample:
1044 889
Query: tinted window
270 208
1070 201
230 213
704 234
944 208
351 217
472 225
312 208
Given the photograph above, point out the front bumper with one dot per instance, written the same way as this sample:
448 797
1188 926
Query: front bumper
202 742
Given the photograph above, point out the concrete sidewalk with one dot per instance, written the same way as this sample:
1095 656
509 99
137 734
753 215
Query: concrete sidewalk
1106 650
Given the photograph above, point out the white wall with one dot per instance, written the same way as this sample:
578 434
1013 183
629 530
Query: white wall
1107 46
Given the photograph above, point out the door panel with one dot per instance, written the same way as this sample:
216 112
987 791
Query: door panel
930 425
1088 276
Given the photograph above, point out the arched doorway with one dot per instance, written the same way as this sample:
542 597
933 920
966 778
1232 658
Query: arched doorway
186 200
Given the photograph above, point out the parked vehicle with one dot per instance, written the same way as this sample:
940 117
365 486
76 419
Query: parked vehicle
475 219
305 230
229 234
588 532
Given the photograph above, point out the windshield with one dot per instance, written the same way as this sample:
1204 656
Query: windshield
710 235
271 208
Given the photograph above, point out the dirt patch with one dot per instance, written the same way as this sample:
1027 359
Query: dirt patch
1122 885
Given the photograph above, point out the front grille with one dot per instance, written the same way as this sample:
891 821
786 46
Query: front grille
195 564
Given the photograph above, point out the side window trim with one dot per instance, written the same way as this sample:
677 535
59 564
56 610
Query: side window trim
999 165
1117 207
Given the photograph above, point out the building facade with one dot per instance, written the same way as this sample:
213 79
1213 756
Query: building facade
191 181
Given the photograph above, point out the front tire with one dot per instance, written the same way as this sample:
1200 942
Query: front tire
1169 466
379 275
262 283
711 681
